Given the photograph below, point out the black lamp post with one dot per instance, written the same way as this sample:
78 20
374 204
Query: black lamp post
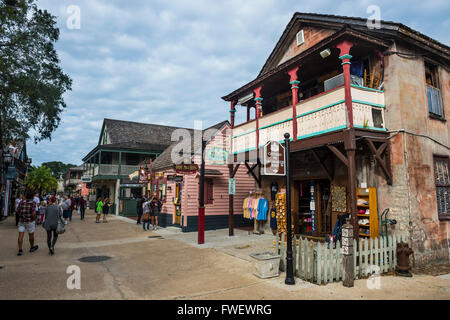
289 260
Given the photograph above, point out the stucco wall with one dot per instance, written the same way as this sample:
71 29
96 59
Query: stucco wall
412 197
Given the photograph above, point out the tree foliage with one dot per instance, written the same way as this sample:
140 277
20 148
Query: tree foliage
41 180
32 83
58 168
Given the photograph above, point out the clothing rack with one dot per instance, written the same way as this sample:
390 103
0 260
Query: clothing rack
257 224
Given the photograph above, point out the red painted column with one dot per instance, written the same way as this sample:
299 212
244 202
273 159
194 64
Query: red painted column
232 113
294 87
345 56
258 102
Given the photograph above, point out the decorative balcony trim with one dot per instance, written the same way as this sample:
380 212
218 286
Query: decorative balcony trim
322 132
276 123
322 108
369 103
243 134
366 88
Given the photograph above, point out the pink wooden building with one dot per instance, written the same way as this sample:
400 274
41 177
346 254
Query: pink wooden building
180 191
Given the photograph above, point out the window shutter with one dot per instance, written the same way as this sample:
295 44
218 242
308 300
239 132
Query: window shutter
209 191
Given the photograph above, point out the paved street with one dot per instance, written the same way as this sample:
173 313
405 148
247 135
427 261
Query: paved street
169 265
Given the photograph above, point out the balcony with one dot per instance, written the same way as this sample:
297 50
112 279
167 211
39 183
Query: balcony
113 170
73 182
318 115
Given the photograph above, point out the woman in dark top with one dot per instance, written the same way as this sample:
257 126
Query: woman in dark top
52 214
155 209
82 207
105 209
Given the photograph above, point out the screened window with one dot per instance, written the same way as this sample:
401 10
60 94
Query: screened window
442 180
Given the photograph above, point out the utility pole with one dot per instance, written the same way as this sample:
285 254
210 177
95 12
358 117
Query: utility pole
201 204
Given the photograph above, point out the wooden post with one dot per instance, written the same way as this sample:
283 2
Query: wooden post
232 113
345 56
258 101
294 87
348 258
350 148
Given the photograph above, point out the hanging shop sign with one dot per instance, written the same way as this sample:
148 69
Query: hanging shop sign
186 168
217 156
144 176
232 186
86 179
273 159
159 174
175 178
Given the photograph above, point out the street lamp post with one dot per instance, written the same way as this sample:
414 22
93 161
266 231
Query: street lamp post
201 204
289 260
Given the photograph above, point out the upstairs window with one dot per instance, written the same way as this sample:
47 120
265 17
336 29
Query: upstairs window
208 191
433 91
442 181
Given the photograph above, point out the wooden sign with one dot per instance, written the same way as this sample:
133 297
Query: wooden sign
273 159
175 178
144 176
186 168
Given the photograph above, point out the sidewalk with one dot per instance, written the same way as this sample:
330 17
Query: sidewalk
169 264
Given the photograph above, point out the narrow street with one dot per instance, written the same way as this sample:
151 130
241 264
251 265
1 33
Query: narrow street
167 264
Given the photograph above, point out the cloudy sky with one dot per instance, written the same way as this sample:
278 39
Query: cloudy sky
170 61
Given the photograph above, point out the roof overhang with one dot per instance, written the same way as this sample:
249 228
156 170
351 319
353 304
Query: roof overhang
346 33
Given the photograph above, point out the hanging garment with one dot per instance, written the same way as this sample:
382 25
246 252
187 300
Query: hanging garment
263 207
255 208
245 209
273 219
250 209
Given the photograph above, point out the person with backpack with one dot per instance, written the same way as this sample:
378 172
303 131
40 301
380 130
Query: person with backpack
53 214
66 206
155 209
139 208
146 215
98 209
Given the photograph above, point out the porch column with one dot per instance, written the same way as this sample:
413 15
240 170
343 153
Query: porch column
258 100
232 113
120 163
345 56
350 149
116 197
294 87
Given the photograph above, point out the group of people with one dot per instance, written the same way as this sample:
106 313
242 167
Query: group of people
30 210
102 207
148 211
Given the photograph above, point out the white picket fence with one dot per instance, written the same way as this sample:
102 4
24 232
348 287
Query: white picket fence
321 263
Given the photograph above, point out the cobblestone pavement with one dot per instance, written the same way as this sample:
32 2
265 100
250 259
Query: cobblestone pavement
168 264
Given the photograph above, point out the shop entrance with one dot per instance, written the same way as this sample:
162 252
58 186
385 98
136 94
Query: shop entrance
177 203
128 199
311 203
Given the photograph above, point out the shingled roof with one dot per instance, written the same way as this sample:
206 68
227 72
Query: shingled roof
164 160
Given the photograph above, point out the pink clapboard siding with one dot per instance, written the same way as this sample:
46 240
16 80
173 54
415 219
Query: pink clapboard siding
190 186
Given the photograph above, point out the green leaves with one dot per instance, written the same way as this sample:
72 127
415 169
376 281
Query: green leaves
40 179
57 168
32 83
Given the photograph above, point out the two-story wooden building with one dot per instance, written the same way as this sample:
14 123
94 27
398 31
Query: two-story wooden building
123 148
366 109
72 181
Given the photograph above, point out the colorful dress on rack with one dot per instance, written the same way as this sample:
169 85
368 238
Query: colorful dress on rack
263 207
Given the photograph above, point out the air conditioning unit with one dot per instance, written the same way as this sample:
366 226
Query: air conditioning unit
300 38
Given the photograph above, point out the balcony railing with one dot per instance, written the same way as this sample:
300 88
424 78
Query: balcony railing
318 115
113 169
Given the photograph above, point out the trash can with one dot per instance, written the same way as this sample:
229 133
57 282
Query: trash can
266 264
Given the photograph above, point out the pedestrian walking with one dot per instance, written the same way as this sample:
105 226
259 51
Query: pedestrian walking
42 208
139 208
77 202
155 209
16 206
146 219
72 207
98 209
37 201
105 209
82 207
27 221
53 214
66 206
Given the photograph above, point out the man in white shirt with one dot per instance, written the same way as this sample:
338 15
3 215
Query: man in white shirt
36 201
